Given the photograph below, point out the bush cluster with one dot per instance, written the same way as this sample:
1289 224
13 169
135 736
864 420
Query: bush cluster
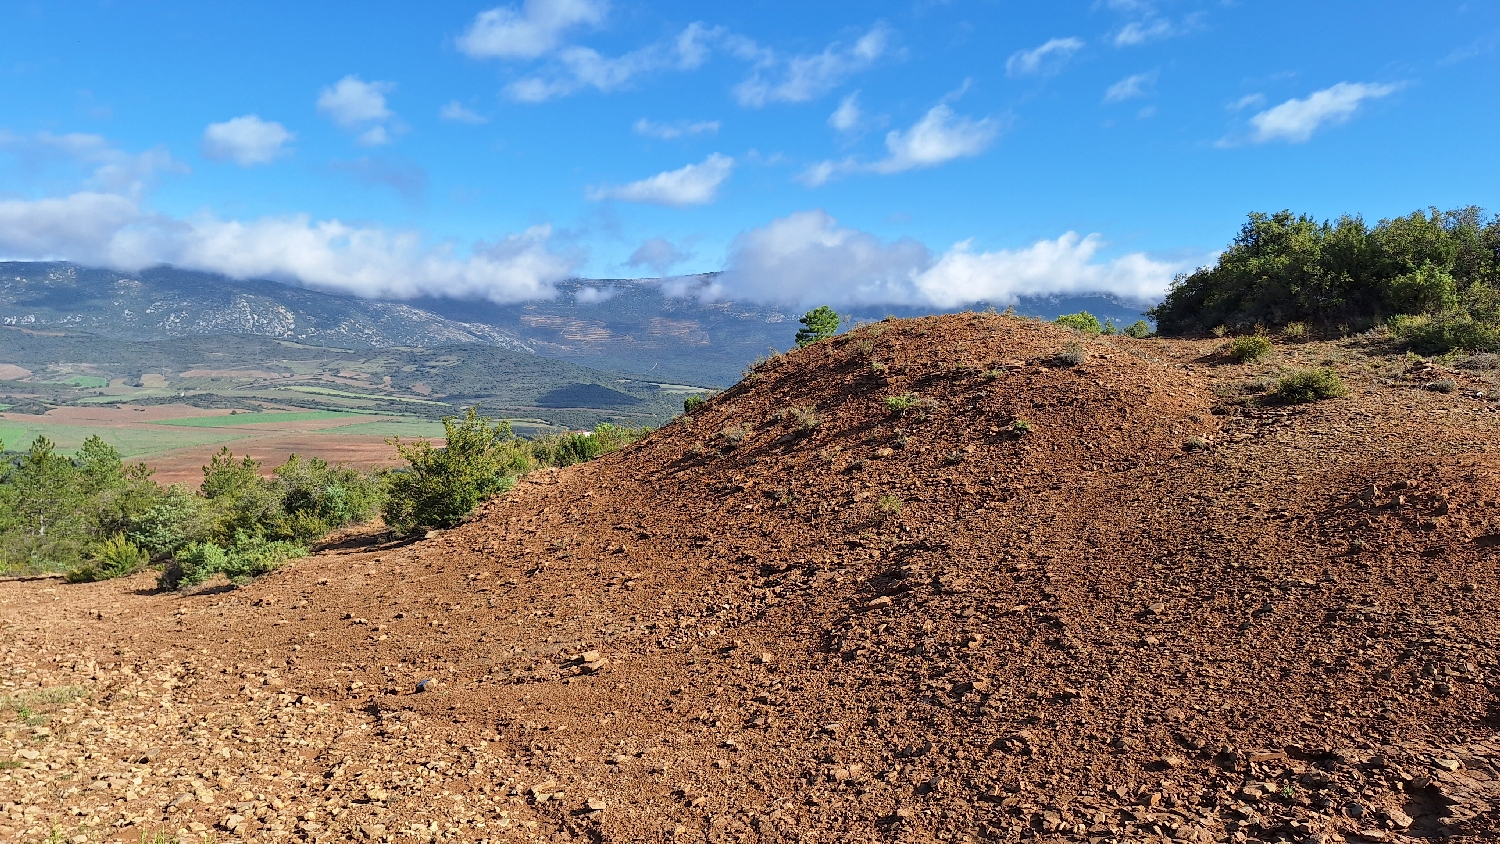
1251 347
482 458
93 517
1434 275
1309 385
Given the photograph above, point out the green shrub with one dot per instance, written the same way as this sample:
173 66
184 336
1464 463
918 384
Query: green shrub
1251 347
820 323
1445 332
1294 331
1021 426
692 403
248 556
900 404
114 557
1140 330
888 505
316 498
1309 385
440 487
1081 321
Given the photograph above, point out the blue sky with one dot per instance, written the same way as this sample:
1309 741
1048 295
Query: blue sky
921 152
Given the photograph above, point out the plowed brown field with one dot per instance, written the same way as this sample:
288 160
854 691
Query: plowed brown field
808 613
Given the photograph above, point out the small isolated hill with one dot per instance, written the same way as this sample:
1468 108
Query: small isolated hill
959 578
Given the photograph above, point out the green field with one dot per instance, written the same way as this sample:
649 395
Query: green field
259 418
407 428
130 442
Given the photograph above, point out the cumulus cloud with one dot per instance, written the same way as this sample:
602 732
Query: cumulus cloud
658 255
1296 120
111 230
695 184
846 117
533 29
1131 87
939 137
355 104
676 129
457 112
1045 60
808 258
795 79
246 140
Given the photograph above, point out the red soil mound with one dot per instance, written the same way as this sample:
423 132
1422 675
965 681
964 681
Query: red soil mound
810 612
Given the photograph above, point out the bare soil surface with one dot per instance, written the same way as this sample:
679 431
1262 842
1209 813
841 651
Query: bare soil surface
808 613
185 466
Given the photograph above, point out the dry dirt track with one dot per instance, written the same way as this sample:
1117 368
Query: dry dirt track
886 626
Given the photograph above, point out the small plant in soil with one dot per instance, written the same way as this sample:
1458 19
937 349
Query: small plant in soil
1251 347
1021 427
900 404
1071 355
888 505
692 403
806 418
1310 385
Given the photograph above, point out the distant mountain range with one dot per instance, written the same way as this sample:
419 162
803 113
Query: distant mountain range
630 326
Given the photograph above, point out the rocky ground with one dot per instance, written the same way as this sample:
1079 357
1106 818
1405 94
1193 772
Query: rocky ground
926 582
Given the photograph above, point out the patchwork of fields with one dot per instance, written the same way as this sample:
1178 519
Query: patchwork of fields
177 440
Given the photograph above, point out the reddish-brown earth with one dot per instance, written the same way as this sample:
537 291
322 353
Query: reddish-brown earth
801 615
185 466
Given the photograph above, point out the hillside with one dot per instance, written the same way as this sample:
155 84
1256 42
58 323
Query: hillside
854 598
656 329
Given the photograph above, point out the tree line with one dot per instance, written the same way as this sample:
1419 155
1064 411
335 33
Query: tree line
1432 277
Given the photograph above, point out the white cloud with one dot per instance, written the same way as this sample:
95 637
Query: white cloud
533 30
939 137
575 68
807 258
1140 32
1044 60
246 140
459 113
675 130
1137 85
658 254
695 184
82 227
1295 120
796 79
1064 265
351 101
847 116
1247 101
106 167
594 295
103 229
